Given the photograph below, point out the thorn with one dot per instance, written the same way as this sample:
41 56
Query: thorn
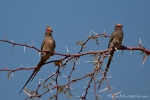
60 56
5 65
24 49
51 91
99 96
105 77
116 49
21 65
53 82
33 42
104 30
12 48
64 76
88 61
12 74
109 76
122 52
144 60
130 52
89 35
40 81
140 42
25 46
83 94
51 58
78 96
70 87
5 35
11 41
84 87
94 61
112 87
107 73
104 65
67 49
66 86
27 93
39 54
79 61
87 82
77 70
94 32
104 89
76 62
117 93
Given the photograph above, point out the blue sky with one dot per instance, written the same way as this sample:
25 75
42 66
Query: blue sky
72 21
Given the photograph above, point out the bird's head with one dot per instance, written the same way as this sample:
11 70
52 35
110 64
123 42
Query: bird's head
48 31
118 26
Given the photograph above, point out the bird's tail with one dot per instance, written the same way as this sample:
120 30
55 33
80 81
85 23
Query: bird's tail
109 61
34 73
37 68
107 67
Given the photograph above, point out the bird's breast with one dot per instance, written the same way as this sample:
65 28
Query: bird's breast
49 45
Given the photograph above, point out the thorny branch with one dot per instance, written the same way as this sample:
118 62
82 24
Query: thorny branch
99 57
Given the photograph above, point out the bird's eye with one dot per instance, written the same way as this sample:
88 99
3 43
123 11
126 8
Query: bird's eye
49 30
119 26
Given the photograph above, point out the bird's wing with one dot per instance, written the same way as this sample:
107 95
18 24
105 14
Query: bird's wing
42 45
111 38
54 45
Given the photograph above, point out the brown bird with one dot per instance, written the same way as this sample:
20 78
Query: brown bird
48 44
114 42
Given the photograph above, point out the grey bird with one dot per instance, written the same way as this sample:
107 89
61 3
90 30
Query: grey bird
114 42
48 44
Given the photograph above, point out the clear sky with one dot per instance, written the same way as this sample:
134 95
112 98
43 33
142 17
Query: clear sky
71 21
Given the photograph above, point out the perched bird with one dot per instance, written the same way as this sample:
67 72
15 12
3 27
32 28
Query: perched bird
48 44
114 42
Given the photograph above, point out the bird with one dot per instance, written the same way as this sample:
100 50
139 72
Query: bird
114 42
48 44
